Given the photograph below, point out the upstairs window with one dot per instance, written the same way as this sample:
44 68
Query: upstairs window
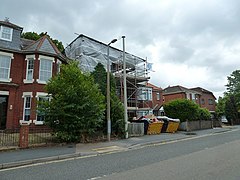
5 65
145 94
6 33
45 69
29 70
210 101
158 96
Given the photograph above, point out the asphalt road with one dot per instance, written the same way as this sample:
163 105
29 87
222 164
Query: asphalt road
210 157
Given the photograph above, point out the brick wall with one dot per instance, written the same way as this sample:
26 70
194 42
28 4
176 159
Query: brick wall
170 97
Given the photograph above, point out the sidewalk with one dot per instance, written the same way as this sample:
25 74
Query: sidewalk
19 157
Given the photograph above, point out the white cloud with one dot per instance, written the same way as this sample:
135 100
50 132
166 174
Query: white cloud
191 43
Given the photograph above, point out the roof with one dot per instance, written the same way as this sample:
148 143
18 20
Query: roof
8 24
202 90
177 89
42 45
153 86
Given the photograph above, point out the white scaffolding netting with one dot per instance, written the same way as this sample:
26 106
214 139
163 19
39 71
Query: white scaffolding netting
90 52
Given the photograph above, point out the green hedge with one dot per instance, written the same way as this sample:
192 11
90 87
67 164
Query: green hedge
185 109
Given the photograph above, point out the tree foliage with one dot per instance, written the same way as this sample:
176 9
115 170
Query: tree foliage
117 110
35 36
229 105
203 114
233 85
185 109
220 108
77 106
231 109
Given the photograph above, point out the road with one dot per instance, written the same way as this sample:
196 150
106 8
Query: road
207 157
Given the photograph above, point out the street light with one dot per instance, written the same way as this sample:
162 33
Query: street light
108 92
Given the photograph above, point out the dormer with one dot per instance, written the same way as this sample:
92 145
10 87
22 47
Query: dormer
10 36
6 33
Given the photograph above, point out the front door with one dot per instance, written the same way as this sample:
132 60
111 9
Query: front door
3 111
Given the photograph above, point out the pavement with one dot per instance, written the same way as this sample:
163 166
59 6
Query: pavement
19 157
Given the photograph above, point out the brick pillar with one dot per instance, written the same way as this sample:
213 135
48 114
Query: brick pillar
23 136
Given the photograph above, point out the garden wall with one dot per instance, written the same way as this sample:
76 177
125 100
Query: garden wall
196 125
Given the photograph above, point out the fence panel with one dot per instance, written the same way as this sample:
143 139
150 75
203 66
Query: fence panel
9 137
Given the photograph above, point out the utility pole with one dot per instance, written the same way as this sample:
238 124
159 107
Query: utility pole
125 90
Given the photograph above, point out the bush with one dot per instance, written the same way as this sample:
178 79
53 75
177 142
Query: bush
203 114
185 109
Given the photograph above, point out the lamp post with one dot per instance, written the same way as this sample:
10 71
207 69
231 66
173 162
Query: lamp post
108 92
125 90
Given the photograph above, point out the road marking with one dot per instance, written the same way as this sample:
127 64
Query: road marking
108 149
49 162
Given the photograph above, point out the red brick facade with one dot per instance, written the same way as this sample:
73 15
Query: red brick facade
15 55
17 87
201 96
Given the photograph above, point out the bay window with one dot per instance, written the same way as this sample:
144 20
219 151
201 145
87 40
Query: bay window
5 65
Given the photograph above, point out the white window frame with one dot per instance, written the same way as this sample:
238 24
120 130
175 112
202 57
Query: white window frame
28 58
145 94
25 95
40 94
10 55
58 66
44 58
1 33
158 96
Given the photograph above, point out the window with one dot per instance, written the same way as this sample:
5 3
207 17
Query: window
210 101
158 96
41 98
202 101
145 93
6 33
5 65
27 108
45 70
30 70
58 66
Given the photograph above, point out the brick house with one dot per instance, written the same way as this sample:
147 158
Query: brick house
150 100
25 67
201 96
207 99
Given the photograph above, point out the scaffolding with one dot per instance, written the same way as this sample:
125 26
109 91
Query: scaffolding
89 52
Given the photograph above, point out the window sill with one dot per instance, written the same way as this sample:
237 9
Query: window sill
41 82
28 81
6 80
38 122
22 122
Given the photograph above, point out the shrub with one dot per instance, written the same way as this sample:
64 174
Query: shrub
182 109
203 114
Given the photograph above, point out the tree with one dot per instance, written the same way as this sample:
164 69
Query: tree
220 108
117 110
231 110
77 106
233 86
182 109
35 36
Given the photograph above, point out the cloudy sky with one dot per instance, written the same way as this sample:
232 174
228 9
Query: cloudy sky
191 42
